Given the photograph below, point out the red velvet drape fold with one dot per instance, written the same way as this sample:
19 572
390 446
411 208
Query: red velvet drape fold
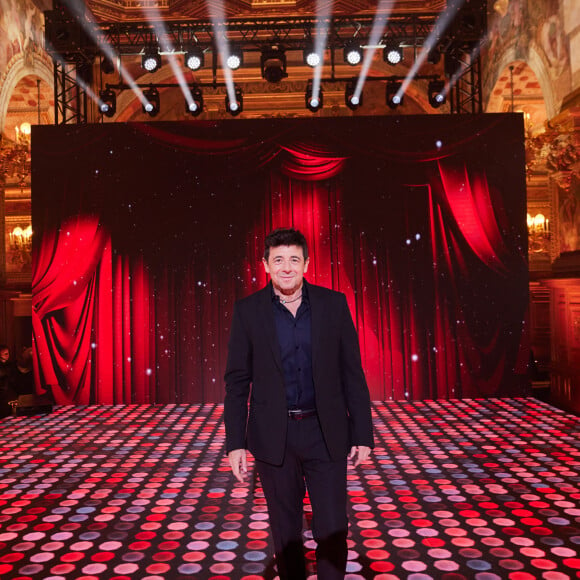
91 319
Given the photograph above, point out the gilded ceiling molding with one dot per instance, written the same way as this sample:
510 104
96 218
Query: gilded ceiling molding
124 10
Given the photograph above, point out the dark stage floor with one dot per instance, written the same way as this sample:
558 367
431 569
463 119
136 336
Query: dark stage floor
484 489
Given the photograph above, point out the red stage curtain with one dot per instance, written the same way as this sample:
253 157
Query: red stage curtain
91 319
111 327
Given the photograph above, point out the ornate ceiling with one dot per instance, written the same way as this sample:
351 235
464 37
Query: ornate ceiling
521 87
113 10
24 104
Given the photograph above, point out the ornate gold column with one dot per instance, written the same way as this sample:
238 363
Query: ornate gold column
558 151
15 213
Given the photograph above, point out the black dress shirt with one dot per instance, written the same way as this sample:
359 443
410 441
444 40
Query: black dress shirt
295 340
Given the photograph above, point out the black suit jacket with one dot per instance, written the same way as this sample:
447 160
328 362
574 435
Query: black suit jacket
254 372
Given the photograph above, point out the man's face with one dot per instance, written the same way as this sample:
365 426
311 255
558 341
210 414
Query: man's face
286 266
4 355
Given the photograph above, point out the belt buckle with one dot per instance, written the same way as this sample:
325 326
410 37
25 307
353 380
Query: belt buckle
295 414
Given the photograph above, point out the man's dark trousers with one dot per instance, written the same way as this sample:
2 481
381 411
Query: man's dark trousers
306 459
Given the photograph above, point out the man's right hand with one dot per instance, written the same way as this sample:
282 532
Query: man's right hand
238 463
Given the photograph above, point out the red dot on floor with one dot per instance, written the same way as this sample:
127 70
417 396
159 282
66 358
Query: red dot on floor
433 542
102 556
382 566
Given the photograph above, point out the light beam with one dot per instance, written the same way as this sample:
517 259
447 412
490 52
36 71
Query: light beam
379 23
169 50
323 14
441 25
217 16
88 22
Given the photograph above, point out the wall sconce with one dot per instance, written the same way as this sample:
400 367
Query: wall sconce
19 250
538 233
23 134
21 239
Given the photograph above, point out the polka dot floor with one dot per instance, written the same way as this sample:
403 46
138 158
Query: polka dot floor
484 489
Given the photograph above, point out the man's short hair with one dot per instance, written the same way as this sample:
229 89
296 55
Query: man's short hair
285 237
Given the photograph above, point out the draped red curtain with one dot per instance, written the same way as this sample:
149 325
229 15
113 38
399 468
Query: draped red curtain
132 294
91 319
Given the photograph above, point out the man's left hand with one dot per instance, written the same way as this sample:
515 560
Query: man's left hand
360 453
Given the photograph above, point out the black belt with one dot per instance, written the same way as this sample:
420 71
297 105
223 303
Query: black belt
298 414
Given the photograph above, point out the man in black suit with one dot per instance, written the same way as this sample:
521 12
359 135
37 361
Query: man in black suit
294 354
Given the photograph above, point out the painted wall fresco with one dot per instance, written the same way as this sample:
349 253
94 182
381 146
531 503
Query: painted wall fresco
549 33
21 30
517 25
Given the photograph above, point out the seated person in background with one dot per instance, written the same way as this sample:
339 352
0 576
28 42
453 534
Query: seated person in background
6 388
5 363
22 376
4 354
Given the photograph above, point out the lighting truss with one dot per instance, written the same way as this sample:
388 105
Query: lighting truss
68 43
466 93
393 83
129 38
71 99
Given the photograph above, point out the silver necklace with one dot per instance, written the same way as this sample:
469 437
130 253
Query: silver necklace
290 301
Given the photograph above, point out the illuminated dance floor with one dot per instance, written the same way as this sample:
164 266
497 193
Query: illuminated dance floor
485 489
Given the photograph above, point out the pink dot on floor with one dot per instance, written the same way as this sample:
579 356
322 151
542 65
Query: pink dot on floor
377 554
414 566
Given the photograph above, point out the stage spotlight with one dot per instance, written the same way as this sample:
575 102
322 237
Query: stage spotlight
392 96
393 52
273 64
152 106
436 93
351 101
195 107
107 65
235 58
313 104
107 102
194 58
151 60
353 53
434 55
234 108
310 56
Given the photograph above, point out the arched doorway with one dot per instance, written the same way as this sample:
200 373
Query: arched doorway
32 102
